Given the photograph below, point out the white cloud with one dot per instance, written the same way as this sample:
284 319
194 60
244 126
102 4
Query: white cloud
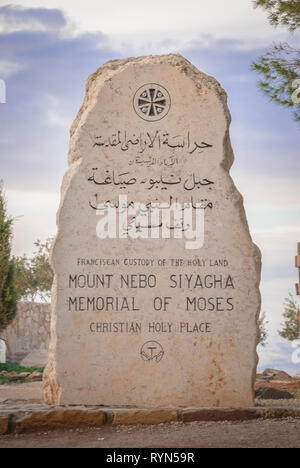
278 231
278 246
274 292
55 115
141 22
9 68
35 217
269 193
15 18
278 355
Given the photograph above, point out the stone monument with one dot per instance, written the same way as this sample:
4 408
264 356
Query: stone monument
156 292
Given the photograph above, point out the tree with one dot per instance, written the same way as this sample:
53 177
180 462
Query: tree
34 276
263 333
8 296
281 12
291 325
280 66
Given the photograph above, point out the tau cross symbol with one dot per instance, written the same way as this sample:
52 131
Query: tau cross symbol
152 352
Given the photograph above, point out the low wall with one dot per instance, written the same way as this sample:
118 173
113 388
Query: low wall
29 331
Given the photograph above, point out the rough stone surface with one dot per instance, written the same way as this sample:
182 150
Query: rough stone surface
33 417
25 375
132 417
277 375
37 358
291 403
29 331
208 359
279 413
58 419
3 424
270 393
219 414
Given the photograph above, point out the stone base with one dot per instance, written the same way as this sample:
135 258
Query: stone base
28 418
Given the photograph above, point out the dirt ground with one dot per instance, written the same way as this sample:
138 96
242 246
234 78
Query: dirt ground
28 391
250 434
33 391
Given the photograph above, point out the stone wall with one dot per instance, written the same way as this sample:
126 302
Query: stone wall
29 331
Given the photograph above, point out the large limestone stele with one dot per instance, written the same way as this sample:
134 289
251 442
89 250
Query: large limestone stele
149 119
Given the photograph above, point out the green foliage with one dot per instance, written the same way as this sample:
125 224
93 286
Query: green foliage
9 367
3 380
291 325
18 369
8 296
263 333
296 394
281 12
34 276
279 68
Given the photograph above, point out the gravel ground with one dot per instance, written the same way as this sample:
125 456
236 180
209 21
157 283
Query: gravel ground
276 403
250 434
27 391
283 433
33 392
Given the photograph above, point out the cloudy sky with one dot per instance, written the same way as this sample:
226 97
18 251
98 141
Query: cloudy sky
47 50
